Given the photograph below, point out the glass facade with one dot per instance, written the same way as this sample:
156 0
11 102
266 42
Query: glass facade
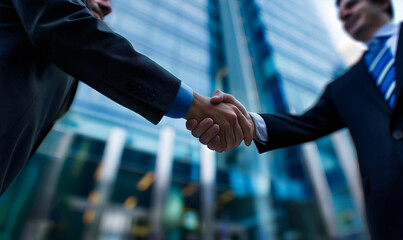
104 172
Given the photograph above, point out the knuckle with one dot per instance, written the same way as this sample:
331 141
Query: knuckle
234 109
207 122
233 116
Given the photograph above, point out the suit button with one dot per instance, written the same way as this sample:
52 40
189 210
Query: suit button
397 134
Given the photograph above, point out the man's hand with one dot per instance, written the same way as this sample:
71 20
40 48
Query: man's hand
224 119
206 130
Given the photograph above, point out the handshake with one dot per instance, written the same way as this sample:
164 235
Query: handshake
220 122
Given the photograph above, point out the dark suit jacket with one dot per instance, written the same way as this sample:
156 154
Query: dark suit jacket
57 39
354 101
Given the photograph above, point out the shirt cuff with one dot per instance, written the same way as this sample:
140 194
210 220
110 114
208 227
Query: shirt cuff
182 102
260 126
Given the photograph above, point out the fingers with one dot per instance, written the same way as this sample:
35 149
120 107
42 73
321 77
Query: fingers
202 127
191 124
206 131
245 121
224 137
227 98
238 133
238 137
233 132
213 144
209 134
247 128
233 125
217 97
231 99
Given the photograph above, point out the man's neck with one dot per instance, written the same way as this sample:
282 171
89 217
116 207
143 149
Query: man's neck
371 33
388 28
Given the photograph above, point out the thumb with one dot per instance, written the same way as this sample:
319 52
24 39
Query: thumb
217 97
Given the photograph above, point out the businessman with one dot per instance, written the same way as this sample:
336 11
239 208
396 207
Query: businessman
45 43
367 100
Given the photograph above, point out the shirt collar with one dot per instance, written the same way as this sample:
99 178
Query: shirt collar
388 29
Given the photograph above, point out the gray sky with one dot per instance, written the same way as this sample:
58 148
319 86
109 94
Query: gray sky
349 49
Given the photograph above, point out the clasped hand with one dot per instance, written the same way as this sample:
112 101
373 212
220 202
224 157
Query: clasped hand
220 122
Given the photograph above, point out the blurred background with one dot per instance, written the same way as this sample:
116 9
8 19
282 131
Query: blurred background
106 173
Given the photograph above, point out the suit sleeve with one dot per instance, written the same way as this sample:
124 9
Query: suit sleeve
286 130
84 47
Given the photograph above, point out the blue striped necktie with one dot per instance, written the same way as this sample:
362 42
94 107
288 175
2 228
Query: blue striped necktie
381 65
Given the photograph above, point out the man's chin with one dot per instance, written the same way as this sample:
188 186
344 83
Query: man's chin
355 33
361 36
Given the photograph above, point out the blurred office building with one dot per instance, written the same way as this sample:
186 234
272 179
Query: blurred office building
104 172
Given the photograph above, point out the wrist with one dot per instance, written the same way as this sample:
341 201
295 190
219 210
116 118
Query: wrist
258 126
196 106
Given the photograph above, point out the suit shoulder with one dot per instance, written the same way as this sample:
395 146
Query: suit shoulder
350 75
